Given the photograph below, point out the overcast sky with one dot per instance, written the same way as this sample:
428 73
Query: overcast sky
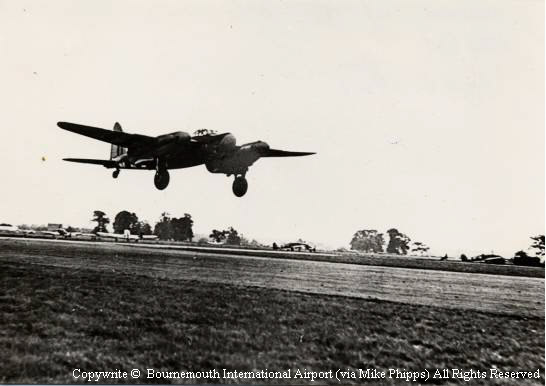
427 116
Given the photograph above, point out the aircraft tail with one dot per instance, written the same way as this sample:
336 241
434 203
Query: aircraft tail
117 151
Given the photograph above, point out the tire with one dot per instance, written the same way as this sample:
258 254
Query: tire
240 186
161 180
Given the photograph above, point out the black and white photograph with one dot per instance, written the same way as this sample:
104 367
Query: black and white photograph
272 192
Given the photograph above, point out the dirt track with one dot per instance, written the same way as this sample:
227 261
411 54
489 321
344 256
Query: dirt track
492 293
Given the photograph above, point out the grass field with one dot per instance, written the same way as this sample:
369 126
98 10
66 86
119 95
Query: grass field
491 293
56 319
373 259
351 258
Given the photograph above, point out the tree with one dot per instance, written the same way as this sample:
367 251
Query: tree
143 228
179 229
188 223
163 229
100 218
538 245
398 242
521 255
233 237
255 243
244 241
182 228
420 248
464 257
368 240
218 236
230 236
522 258
126 220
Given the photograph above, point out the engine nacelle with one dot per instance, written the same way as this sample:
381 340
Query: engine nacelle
169 142
176 137
235 163
227 144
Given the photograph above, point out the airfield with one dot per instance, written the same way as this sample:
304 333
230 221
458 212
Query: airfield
118 305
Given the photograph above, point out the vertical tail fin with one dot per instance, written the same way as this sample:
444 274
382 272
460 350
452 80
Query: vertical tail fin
116 150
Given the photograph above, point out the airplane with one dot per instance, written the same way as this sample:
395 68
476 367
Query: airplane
9 229
218 152
61 232
117 236
127 236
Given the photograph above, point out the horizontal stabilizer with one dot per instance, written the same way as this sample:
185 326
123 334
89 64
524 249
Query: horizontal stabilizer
105 163
284 153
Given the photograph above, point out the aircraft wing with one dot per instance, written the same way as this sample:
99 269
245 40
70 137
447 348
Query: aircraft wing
105 163
283 153
115 137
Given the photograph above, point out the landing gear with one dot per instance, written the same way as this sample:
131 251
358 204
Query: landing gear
240 186
161 179
115 174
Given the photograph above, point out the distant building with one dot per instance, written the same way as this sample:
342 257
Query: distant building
53 227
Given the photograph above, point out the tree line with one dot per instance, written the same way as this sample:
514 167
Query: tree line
365 240
167 228
371 241
537 246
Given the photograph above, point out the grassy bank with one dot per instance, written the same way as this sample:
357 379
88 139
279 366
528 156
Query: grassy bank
57 319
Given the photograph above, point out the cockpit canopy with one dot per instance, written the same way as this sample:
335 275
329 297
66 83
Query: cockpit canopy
203 132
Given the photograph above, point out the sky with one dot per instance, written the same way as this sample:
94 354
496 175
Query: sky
426 115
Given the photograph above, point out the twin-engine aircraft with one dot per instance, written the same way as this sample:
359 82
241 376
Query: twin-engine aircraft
218 152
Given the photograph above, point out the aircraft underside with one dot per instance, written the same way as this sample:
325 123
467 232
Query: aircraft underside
162 175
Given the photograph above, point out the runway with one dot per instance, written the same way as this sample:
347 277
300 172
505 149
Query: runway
492 293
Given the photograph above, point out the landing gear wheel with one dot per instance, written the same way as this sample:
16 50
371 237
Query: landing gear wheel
240 186
161 180
115 174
